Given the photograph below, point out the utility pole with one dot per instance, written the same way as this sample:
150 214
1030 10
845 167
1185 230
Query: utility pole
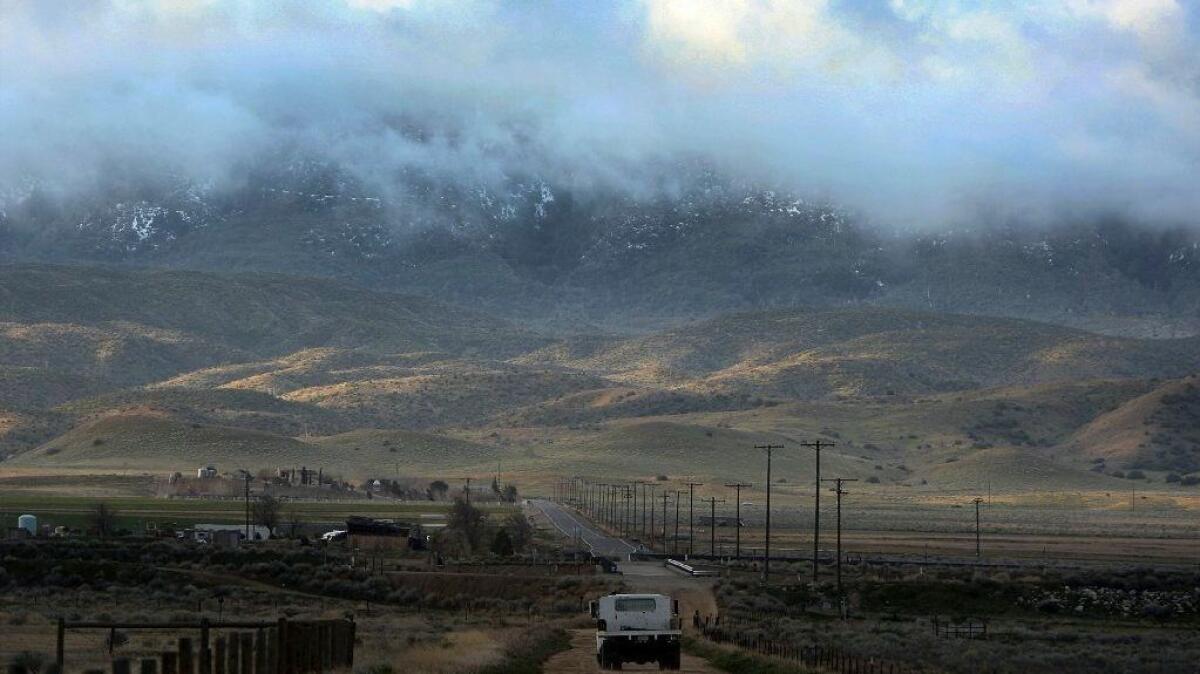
767 547
817 446
636 484
653 497
467 490
247 475
712 524
606 504
837 489
665 497
678 497
692 516
737 554
630 507
977 501
644 486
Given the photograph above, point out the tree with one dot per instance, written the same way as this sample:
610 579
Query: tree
519 530
103 520
502 545
294 522
467 520
437 490
265 511
509 495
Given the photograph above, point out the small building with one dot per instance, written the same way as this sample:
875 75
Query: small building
226 538
28 523
207 472
257 531
368 533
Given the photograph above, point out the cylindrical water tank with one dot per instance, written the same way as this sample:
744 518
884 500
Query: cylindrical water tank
28 523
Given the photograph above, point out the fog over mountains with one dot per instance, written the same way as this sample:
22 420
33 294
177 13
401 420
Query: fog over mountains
635 162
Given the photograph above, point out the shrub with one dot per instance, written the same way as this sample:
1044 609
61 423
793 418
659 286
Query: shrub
28 661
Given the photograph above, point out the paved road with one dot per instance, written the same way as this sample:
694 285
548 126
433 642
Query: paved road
568 523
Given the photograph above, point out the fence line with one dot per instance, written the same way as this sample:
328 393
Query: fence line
816 655
279 647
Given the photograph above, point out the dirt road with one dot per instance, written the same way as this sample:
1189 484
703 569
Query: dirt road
694 594
582 658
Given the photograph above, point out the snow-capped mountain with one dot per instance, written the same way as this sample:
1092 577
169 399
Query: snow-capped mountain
536 245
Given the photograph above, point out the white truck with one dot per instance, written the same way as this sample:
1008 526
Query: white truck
637 628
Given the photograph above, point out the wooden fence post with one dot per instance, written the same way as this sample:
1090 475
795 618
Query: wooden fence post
325 630
186 664
232 659
312 653
148 666
247 649
219 656
272 650
260 651
58 650
205 648
282 647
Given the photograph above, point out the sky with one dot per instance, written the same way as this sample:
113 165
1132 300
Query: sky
910 112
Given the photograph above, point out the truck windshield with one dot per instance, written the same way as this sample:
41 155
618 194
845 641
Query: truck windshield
641 605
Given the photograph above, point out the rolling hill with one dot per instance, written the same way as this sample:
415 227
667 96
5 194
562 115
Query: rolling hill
1159 430
118 369
808 354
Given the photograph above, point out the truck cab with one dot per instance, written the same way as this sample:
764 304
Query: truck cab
637 628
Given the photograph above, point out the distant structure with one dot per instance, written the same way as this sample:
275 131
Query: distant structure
367 533
258 532
28 523
226 538
209 471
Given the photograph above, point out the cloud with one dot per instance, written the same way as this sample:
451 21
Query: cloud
915 112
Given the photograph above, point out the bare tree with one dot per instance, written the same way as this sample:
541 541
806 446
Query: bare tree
294 521
266 511
103 520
